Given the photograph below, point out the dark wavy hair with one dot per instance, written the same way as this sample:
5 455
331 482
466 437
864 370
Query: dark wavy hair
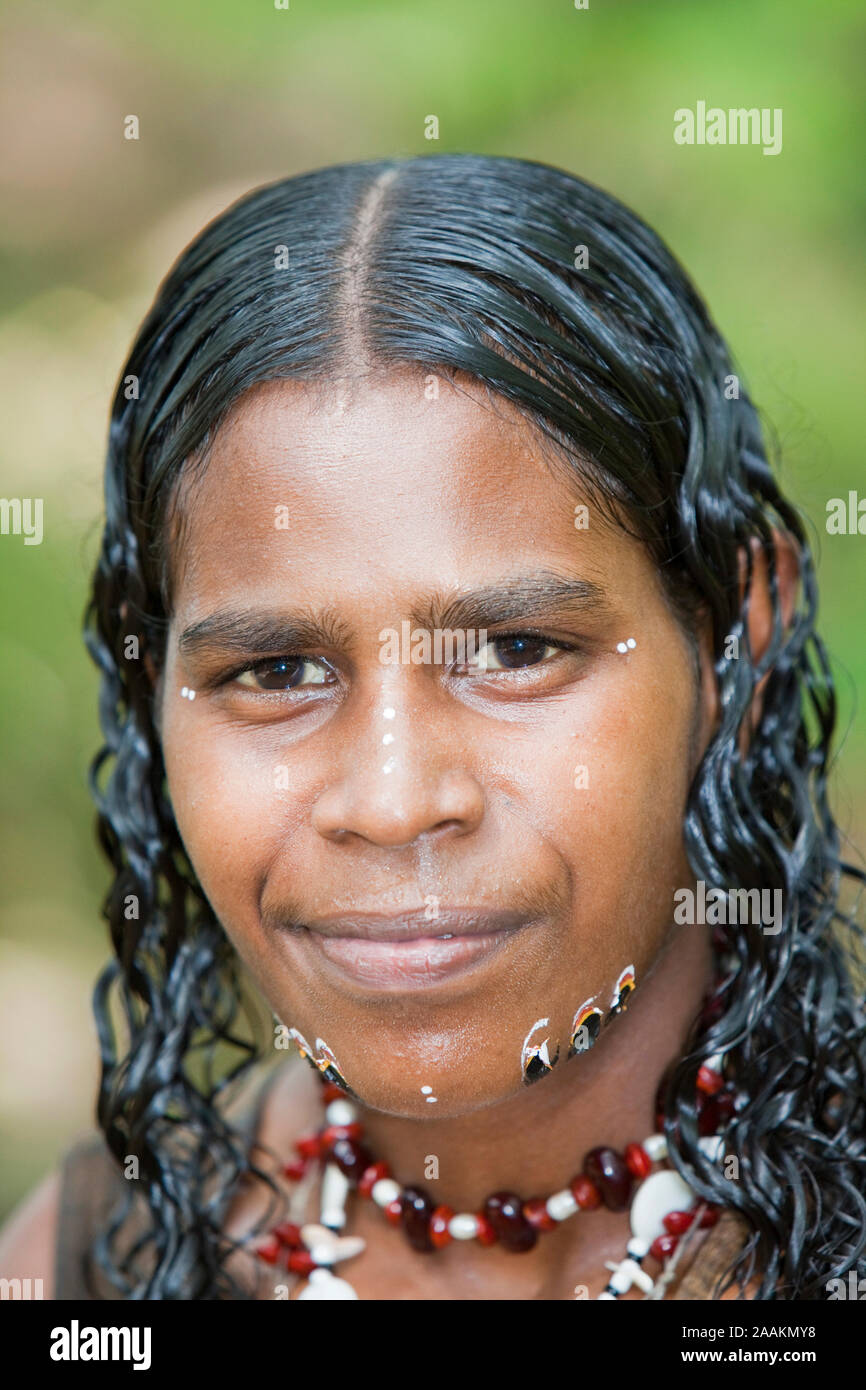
555 296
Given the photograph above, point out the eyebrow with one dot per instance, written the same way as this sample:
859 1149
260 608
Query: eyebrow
540 595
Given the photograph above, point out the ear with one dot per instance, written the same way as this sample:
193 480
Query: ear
760 619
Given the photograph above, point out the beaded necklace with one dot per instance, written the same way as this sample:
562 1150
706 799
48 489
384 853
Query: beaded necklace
663 1209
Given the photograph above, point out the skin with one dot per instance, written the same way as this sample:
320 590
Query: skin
394 497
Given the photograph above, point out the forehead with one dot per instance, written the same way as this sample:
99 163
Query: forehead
408 478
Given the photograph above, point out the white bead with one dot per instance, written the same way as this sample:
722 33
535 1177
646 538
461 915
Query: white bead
561 1205
463 1226
713 1145
611 1296
335 1190
384 1191
341 1112
642 1279
716 1062
333 1217
637 1248
321 1284
621 1280
656 1147
324 1254
658 1195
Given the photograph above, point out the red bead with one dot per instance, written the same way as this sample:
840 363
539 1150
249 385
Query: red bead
295 1171
676 1223
394 1211
663 1247
486 1234
709 1218
287 1233
637 1160
504 1212
608 1171
417 1210
536 1213
714 1111
332 1133
301 1262
439 1232
330 1091
585 1192
709 1081
269 1251
371 1176
712 1011
709 1117
351 1158
309 1146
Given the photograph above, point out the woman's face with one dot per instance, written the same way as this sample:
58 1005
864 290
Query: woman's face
429 859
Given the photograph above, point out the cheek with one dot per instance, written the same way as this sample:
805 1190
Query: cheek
224 799
608 786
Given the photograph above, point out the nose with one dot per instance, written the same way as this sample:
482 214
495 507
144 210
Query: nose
399 778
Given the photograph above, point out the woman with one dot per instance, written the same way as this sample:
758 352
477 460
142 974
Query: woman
460 689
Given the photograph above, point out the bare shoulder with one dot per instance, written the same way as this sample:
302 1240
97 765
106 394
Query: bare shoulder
28 1241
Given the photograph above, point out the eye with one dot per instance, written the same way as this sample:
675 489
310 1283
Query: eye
514 651
284 673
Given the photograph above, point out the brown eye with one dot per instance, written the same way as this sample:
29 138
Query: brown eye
512 653
284 673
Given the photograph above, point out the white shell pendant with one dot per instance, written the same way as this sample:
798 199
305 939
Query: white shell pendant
327 1248
322 1284
658 1195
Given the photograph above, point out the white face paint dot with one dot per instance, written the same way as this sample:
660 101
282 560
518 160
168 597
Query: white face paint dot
628 645
630 642
187 694
425 1091
621 647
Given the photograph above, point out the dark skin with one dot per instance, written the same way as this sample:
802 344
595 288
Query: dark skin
395 500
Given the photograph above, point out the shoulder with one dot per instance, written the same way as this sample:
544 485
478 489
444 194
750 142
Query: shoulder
48 1235
29 1238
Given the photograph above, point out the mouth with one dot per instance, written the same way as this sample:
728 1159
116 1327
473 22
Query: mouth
412 951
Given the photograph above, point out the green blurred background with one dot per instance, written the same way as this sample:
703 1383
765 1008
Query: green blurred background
233 93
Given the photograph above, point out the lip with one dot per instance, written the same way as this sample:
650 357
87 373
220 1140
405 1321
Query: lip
406 952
